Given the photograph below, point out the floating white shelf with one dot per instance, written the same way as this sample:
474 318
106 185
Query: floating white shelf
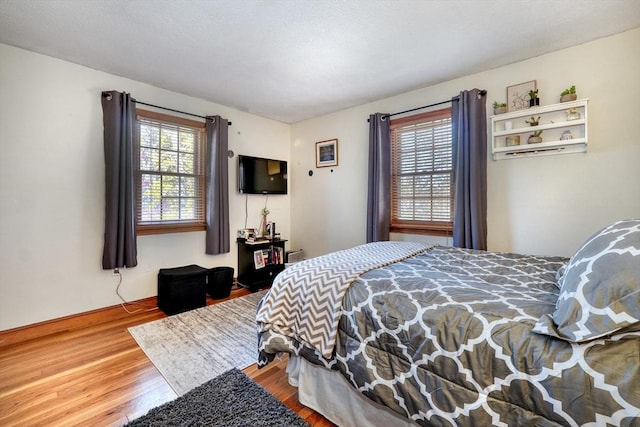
553 123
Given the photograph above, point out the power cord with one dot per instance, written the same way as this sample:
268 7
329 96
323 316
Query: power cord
246 210
149 307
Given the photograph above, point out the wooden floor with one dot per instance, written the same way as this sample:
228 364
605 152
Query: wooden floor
88 370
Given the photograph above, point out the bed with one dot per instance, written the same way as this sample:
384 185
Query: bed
393 333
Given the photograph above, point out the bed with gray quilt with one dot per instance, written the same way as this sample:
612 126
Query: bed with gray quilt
455 337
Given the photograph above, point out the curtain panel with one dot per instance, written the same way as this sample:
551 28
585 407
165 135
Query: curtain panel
217 184
379 187
469 121
120 245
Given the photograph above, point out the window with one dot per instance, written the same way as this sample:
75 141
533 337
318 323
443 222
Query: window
170 174
422 174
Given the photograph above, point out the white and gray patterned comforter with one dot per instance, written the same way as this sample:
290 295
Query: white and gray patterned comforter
305 300
445 338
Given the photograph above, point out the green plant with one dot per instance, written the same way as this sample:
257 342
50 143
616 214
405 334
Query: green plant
537 133
533 94
497 104
533 121
569 91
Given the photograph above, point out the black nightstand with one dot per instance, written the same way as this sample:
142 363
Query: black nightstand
259 262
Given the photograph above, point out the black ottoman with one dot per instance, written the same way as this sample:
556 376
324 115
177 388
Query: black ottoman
182 288
219 282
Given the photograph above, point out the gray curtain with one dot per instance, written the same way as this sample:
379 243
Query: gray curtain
379 193
120 246
217 176
469 121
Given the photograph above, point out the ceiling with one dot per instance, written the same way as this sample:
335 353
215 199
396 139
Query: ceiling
294 60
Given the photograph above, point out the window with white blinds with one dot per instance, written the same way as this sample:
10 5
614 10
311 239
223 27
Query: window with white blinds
170 173
422 173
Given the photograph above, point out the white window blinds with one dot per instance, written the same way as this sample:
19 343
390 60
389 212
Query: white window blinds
421 179
170 171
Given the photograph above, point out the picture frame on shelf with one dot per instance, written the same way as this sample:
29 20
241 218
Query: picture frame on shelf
258 259
327 153
518 95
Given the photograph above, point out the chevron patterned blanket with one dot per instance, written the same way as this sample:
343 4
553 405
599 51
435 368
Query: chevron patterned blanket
305 300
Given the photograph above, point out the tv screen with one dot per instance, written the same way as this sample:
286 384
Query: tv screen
261 176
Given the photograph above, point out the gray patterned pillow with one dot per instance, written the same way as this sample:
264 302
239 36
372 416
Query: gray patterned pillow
600 287
560 275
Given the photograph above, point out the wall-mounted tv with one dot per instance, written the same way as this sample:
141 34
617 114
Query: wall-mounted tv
261 176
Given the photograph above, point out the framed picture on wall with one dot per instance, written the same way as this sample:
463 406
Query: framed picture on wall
327 153
518 95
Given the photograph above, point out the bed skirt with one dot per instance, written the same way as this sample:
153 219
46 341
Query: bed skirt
328 393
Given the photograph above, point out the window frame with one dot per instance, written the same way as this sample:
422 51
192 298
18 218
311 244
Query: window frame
434 228
165 227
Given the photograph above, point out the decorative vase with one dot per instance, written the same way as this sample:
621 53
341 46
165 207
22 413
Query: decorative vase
264 232
534 140
499 110
534 102
568 97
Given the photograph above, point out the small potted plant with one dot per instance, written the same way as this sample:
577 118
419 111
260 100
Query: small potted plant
568 94
534 101
535 137
533 121
499 107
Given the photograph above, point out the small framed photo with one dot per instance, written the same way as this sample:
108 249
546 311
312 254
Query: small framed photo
327 153
258 259
518 95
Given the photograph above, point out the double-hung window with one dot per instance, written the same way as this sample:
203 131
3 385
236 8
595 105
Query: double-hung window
170 174
422 173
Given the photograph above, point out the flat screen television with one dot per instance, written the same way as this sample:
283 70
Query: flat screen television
261 176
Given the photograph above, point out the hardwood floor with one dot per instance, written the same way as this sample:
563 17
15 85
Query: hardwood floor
88 370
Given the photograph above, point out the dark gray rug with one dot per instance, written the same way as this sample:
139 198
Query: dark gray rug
231 400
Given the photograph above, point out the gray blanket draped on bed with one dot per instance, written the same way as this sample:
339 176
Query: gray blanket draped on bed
445 338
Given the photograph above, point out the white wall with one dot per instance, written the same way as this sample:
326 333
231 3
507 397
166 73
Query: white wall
542 205
52 189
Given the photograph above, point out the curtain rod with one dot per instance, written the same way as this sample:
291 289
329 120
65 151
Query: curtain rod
483 92
108 96
171 109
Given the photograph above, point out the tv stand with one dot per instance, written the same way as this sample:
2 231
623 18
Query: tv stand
259 262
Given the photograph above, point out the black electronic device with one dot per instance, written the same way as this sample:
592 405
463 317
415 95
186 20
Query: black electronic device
261 176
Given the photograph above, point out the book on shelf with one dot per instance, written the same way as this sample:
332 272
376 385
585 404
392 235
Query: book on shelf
277 256
270 256
256 241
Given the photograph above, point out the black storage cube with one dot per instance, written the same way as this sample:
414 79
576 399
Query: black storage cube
182 288
219 282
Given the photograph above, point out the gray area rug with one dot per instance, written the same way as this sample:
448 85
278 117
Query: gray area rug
232 399
193 347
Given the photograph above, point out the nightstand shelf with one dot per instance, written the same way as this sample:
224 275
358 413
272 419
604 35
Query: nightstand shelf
259 262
